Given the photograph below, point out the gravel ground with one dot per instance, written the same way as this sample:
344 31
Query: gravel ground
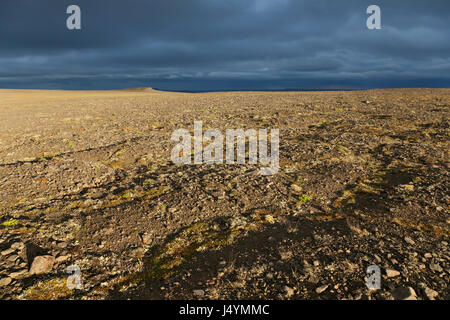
86 179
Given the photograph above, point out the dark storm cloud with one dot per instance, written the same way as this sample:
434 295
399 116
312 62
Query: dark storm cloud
226 44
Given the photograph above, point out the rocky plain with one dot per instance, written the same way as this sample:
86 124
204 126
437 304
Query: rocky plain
86 180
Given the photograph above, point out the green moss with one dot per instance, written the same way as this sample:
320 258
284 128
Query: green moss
149 182
127 195
53 289
162 207
10 223
155 192
304 198
198 237
161 261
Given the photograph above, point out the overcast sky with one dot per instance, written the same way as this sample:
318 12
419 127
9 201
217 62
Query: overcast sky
204 45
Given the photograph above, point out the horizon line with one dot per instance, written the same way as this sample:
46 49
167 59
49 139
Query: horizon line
232 90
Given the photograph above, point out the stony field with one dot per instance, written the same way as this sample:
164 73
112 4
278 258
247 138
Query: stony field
86 179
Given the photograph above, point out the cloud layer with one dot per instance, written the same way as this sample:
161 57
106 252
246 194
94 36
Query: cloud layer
224 44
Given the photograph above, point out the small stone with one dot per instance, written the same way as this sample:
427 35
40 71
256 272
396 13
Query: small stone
404 293
61 259
269 219
436 267
62 245
7 251
321 289
17 245
408 187
391 273
316 263
5 281
409 241
147 239
13 258
42 264
431 294
296 188
428 255
199 293
19 275
288 292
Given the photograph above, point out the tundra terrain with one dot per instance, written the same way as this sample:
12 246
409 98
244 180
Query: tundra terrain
86 179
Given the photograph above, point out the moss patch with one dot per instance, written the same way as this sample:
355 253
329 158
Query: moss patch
53 289
10 223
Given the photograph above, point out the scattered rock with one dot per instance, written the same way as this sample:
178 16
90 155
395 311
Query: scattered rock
321 289
147 238
13 258
404 293
269 219
42 264
436 267
430 293
5 281
62 245
19 275
17 245
288 292
408 187
7 251
409 241
61 259
296 189
199 293
391 273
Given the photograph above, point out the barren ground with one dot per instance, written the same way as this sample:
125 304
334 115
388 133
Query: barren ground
86 178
